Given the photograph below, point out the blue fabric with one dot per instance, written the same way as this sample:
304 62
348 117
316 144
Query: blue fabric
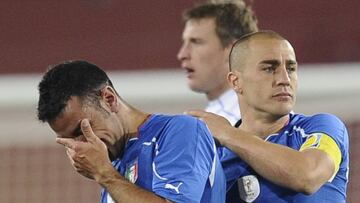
174 157
293 135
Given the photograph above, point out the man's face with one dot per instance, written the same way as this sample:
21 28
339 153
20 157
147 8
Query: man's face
67 124
269 76
203 57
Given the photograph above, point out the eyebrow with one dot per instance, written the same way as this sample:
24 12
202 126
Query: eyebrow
291 62
272 62
276 62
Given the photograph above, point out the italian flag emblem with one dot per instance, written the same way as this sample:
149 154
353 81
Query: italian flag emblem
131 172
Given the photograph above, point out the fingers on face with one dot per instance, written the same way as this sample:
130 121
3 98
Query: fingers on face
77 164
76 160
87 130
66 142
75 155
72 146
70 154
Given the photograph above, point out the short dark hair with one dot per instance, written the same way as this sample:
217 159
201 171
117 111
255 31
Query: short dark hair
243 42
232 20
70 78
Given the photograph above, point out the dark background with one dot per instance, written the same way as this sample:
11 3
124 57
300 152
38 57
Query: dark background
145 35
123 35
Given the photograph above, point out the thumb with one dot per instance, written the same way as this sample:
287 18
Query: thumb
87 130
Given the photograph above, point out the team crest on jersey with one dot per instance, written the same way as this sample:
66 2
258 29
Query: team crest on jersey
131 172
312 141
249 188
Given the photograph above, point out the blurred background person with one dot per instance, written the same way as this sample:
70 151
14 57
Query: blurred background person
209 32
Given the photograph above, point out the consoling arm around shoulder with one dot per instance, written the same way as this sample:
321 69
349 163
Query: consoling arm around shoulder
303 171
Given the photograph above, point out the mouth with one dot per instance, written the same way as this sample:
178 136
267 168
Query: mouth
189 71
283 96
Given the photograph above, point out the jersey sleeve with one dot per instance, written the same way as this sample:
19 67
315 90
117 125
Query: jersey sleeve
328 134
183 160
326 144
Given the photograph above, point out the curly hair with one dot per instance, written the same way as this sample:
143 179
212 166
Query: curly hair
70 78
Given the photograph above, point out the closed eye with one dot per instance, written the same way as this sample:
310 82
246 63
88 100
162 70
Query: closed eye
196 41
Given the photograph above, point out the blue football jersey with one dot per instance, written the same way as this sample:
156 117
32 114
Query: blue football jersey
174 157
322 131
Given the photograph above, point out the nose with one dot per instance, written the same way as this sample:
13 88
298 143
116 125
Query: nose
183 52
282 77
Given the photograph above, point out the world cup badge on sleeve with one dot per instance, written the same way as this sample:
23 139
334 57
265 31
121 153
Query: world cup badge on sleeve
131 172
249 188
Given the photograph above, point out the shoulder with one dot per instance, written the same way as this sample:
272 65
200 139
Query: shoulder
187 123
177 118
324 123
316 121
326 118
183 126
173 121
185 119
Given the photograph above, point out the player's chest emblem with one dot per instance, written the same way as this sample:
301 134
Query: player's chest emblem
249 188
131 172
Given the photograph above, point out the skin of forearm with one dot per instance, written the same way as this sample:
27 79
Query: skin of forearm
279 164
123 191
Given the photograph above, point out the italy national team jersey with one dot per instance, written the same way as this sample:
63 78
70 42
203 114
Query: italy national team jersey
322 131
174 157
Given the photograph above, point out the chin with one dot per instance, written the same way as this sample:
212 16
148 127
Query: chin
285 111
196 88
282 111
285 107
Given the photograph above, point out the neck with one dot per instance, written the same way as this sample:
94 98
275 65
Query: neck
129 121
132 120
217 92
264 126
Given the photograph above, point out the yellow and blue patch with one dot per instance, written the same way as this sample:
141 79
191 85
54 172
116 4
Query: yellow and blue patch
324 143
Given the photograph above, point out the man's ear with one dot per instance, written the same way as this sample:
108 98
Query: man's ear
110 99
234 81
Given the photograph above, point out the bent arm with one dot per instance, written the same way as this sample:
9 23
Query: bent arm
303 171
121 190
90 158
